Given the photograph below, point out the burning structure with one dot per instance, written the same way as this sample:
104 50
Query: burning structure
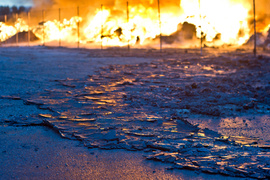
117 23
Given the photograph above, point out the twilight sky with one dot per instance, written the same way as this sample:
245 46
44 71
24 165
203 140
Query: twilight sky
16 2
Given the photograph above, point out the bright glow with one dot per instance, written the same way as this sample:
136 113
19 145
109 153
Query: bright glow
55 30
6 31
225 17
221 22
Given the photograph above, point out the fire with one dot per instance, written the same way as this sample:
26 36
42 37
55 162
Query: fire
218 22
21 25
142 27
6 31
55 30
228 18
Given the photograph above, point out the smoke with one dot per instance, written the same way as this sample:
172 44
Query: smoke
94 3
263 14
88 8
262 6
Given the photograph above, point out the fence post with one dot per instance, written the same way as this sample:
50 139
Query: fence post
17 32
43 22
128 24
101 33
78 27
160 26
255 33
28 33
59 28
201 26
5 23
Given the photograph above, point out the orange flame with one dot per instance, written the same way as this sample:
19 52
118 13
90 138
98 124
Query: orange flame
221 22
55 30
225 17
6 31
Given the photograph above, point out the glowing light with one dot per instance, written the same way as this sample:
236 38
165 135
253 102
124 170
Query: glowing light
228 18
6 31
67 30
222 22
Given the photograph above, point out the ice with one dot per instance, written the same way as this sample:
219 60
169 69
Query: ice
194 113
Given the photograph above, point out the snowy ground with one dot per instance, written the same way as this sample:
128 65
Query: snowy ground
206 113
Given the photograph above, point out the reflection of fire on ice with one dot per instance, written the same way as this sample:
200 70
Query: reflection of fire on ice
218 22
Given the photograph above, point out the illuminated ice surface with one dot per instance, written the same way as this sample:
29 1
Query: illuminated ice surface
209 114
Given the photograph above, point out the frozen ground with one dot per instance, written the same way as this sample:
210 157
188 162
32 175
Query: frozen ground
205 113
39 153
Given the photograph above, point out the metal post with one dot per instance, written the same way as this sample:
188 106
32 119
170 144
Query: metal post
5 20
201 26
59 28
0 42
28 33
5 23
160 26
101 33
255 33
17 32
43 22
78 28
128 23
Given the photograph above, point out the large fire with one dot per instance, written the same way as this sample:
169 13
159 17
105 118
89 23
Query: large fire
217 22
224 17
